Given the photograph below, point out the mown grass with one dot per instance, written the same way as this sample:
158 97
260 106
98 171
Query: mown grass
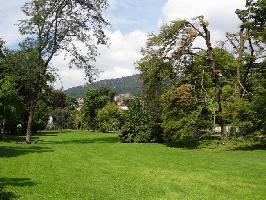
83 165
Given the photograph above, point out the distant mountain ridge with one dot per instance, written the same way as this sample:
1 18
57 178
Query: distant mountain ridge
127 84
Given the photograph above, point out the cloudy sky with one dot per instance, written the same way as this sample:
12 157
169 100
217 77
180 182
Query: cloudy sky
131 21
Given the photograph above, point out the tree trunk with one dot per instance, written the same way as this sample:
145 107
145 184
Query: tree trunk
239 63
3 124
30 120
216 78
3 134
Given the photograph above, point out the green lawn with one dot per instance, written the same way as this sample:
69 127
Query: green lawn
96 166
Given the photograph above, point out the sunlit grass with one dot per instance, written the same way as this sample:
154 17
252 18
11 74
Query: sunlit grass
83 165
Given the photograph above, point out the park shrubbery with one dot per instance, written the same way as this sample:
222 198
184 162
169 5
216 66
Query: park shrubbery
110 118
136 127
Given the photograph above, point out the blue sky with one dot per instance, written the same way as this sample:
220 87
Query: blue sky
130 15
132 21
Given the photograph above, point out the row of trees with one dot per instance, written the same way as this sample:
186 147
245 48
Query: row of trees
189 90
50 27
14 105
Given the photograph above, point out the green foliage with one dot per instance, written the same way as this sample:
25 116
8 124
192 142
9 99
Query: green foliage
168 36
63 118
110 118
259 99
156 76
253 18
30 83
63 110
94 100
53 27
41 115
183 116
137 127
11 104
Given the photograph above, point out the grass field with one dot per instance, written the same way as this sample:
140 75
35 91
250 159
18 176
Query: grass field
96 166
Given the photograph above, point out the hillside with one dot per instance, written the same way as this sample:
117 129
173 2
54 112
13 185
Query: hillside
130 84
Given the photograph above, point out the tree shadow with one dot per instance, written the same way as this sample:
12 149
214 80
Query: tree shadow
188 143
109 140
16 182
253 147
55 132
7 151
184 144
18 139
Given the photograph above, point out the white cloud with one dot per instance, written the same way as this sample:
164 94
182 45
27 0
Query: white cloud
220 13
119 59
114 61
10 13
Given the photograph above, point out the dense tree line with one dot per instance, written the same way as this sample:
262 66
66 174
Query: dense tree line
52 27
189 91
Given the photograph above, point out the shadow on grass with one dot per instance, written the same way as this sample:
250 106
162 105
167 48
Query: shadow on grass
109 140
188 143
16 182
259 146
54 132
18 139
214 142
6 151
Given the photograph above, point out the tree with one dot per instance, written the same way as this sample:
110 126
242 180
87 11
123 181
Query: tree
25 66
94 100
252 39
63 118
59 99
156 77
183 115
63 110
22 66
2 49
249 50
110 118
9 102
175 44
253 18
136 128
62 26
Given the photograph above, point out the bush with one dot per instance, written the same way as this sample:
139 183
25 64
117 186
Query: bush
110 118
137 127
183 116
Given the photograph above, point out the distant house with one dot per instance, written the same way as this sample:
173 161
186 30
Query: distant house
80 103
123 107
122 98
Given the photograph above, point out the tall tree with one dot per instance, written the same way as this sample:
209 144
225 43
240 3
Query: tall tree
94 100
254 77
156 77
175 44
62 26
253 18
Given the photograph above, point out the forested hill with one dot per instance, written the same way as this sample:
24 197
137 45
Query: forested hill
130 84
